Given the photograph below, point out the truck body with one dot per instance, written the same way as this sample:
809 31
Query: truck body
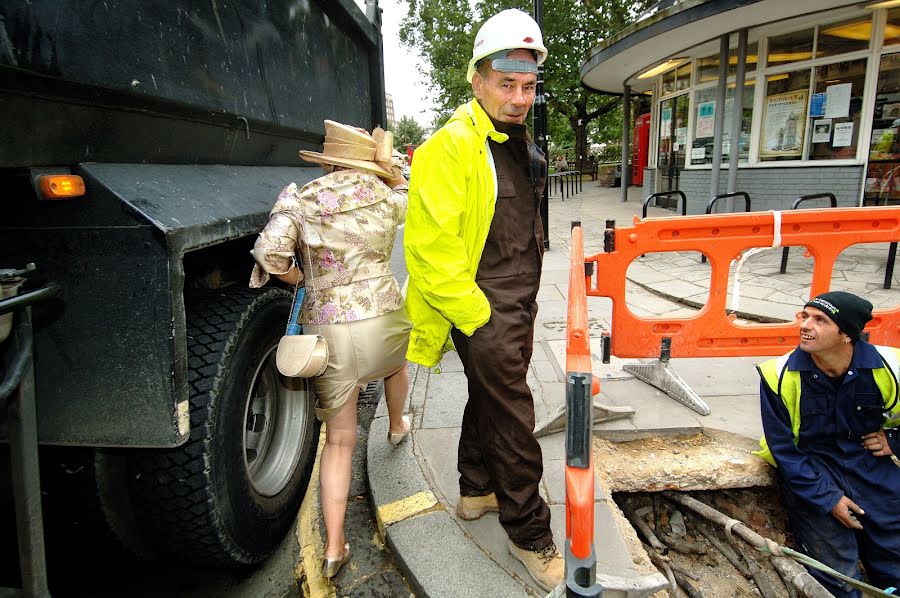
184 121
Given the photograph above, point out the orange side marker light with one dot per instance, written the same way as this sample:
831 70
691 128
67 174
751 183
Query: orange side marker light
61 186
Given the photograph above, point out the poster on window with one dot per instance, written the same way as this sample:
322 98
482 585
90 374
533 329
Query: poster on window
783 125
706 119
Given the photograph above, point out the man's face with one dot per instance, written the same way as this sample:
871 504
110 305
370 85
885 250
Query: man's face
506 97
818 332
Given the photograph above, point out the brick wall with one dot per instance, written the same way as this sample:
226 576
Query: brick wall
770 188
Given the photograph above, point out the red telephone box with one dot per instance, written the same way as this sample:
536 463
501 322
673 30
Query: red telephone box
641 142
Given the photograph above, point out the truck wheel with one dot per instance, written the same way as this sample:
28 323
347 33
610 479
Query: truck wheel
228 495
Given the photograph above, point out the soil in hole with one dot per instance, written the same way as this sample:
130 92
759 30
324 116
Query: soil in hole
689 541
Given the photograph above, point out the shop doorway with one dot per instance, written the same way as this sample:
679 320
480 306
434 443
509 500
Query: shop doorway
673 117
882 182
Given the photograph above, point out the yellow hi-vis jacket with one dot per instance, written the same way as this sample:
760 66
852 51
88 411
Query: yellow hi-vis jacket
785 383
452 193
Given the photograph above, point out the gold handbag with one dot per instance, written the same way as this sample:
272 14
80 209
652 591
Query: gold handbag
301 355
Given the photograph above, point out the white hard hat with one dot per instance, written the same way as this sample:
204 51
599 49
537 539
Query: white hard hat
510 29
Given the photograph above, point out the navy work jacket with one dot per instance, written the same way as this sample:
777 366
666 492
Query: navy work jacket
829 460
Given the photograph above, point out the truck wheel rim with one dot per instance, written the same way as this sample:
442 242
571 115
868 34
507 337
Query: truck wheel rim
275 423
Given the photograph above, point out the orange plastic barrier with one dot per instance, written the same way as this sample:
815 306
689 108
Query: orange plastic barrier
581 562
712 333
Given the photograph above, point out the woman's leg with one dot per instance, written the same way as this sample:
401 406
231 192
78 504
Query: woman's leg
334 474
396 387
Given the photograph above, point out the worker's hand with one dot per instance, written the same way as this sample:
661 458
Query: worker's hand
877 444
845 511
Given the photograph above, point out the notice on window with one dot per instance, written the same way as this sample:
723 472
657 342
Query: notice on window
843 135
821 131
665 123
817 105
706 119
837 101
698 153
784 124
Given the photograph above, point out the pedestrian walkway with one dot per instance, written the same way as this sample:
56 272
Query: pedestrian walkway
414 487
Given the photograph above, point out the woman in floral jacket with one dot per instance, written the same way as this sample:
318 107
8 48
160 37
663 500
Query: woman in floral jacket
337 233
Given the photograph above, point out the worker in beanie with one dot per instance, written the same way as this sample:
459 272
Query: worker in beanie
829 412
474 248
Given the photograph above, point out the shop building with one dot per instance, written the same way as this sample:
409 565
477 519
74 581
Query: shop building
817 81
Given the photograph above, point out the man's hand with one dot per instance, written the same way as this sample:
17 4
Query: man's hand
844 511
877 444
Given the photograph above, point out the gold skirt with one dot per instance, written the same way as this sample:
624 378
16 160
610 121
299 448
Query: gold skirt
358 353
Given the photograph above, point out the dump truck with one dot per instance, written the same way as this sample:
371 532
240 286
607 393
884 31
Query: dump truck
143 144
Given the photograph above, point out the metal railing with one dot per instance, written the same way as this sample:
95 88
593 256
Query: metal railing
569 182
653 196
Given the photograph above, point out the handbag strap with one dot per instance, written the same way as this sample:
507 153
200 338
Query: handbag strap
293 326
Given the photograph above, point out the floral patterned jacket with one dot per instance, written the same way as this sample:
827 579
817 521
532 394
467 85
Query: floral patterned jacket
343 246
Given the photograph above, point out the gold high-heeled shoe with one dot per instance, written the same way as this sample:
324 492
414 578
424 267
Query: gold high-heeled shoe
395 439
330 567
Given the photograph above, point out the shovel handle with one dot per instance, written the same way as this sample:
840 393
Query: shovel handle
293 328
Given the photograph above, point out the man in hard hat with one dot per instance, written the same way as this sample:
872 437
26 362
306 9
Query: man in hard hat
829 409
474 248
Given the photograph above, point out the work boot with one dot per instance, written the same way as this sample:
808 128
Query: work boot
545 565
473 507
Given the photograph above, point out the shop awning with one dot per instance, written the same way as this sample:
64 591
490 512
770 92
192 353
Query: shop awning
679 26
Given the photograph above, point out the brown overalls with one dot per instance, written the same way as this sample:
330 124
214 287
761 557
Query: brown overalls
497 449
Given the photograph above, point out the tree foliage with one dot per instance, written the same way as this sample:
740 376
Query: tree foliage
442 31
407 131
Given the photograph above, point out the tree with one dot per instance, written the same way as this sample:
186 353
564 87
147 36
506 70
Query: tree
443 31
408 131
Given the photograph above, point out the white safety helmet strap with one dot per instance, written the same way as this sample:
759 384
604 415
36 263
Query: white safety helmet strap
507 30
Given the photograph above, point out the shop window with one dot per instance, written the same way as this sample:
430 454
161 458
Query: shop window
892 28
784 116
683 77
673 116
668 82
790 47
708 68
843 37
704 118
834 110
883 172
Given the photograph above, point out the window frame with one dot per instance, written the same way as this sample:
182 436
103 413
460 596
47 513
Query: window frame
762 34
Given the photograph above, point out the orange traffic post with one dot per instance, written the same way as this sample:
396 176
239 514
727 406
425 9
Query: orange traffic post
581 562
723 238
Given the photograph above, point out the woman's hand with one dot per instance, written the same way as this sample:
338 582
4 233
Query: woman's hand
292 276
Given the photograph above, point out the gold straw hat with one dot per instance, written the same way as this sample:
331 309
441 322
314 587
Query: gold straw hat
351 148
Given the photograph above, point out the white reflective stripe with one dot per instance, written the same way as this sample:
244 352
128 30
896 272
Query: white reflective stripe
776 222
776 242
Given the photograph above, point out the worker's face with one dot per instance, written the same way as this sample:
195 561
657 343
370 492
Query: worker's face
818 332
507 97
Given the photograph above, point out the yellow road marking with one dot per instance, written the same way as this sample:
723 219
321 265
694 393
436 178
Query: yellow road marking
309 569
405 508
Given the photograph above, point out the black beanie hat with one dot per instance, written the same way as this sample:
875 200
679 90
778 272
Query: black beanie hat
846 310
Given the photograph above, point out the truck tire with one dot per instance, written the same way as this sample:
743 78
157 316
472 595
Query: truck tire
228 495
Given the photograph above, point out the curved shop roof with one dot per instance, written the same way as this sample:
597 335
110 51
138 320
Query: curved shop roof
672 27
